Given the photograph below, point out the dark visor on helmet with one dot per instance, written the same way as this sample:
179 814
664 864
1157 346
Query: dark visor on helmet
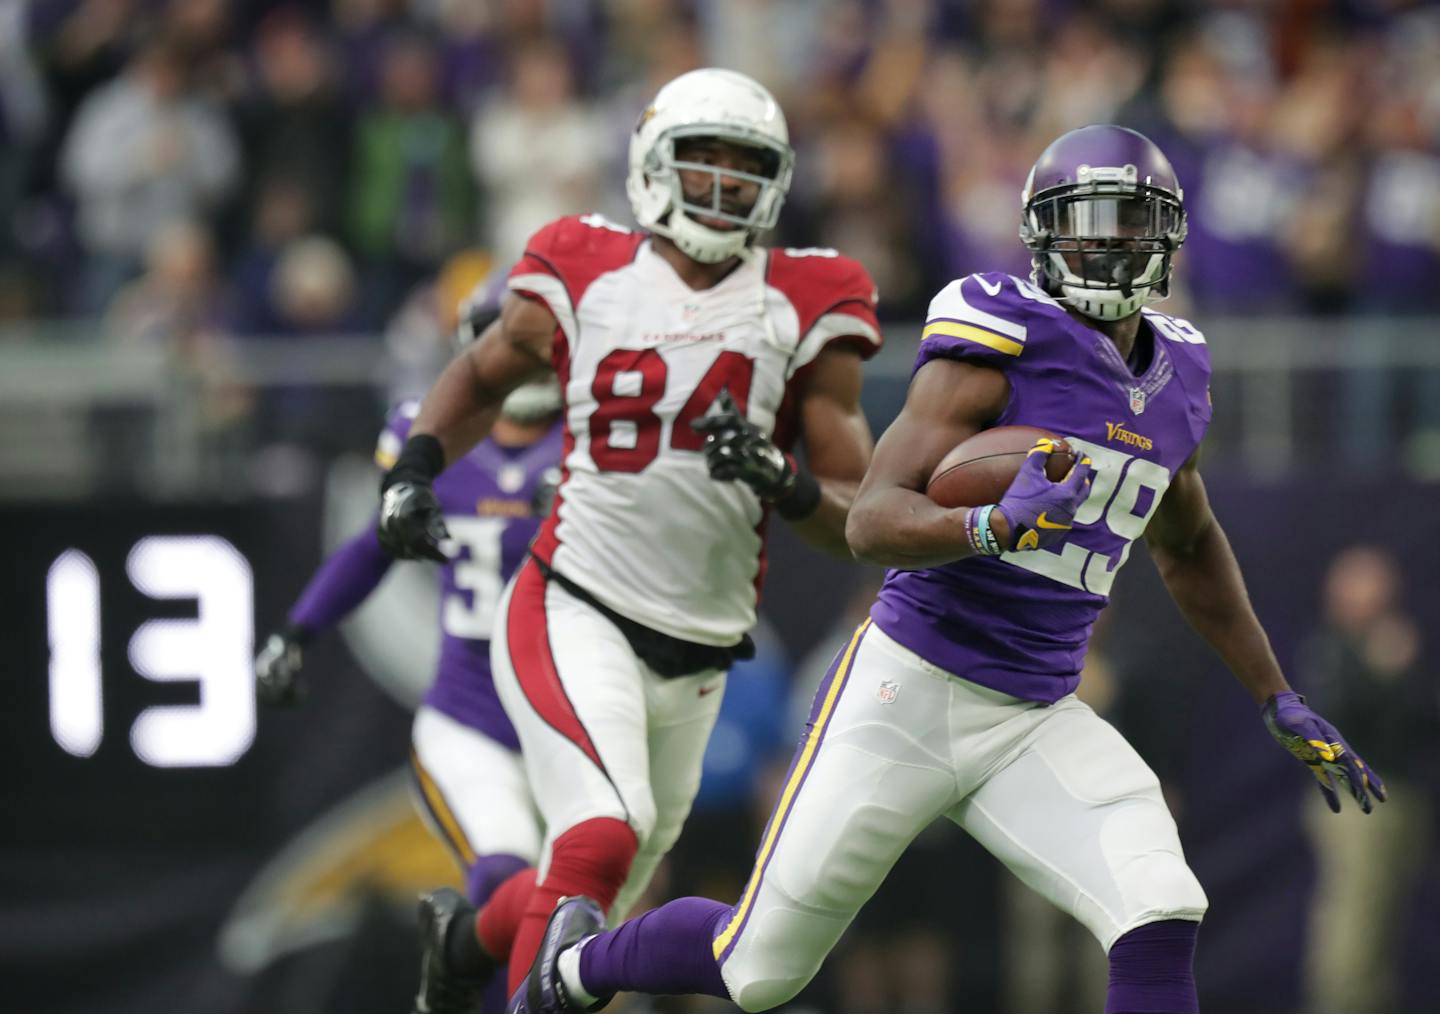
1146 221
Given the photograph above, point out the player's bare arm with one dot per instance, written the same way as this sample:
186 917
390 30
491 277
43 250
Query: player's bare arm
837 446
458 413
1198 567
462 407
892 522
1194 559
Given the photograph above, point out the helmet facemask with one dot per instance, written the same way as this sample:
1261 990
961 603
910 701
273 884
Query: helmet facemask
1103 245
680 222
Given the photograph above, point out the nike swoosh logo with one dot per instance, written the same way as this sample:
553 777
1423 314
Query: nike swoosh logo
986 286
707 690
1043 522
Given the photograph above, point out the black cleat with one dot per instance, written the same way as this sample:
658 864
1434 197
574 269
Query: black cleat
443 991
542 992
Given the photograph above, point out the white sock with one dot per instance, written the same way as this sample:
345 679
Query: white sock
568 965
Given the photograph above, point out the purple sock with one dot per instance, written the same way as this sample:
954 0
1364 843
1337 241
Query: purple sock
484 875
488 873
1152 970
665 951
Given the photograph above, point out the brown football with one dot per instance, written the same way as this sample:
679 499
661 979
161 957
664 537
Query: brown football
979 470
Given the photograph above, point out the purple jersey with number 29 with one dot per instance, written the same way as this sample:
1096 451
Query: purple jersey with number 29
1019 623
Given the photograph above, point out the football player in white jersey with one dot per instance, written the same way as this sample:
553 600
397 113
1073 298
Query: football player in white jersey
691 360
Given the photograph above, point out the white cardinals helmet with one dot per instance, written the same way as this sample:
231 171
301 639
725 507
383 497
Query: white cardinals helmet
710 103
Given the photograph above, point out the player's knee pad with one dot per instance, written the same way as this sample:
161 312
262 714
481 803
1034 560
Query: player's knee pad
592 858
765 994
1160 885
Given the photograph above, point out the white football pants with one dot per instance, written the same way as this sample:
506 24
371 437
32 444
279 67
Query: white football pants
602 734
1055 793
472 790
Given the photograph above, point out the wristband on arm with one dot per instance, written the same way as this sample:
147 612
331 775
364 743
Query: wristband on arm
978 533
420 461
803 499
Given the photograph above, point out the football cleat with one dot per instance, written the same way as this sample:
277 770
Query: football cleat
443 991
542 992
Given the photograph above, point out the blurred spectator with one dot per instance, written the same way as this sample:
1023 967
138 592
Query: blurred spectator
313 289
471 53
282 214
853 205
177 302
84 45
536 150
421 335
24 116
296 130
1241 187
143 152
201 32
411 198
1364 670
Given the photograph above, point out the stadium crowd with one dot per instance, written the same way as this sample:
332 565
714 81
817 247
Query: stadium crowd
197 172
204 167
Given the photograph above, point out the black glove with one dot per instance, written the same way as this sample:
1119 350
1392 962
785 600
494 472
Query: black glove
277 668
412 526
735 448
544 497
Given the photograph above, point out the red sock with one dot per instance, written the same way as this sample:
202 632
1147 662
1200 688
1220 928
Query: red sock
496 923
592 858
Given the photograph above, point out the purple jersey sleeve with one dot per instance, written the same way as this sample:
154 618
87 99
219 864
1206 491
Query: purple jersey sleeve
352 572
967 320
392 437
343 581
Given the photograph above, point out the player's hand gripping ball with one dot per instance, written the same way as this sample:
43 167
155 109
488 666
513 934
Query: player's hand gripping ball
1029 475
1320 747
1042 512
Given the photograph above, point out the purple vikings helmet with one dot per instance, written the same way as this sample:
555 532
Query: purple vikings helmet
1103 213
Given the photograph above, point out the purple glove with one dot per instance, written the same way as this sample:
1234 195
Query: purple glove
1321 748
1042 512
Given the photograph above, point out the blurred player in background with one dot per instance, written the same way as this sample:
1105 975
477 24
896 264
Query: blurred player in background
690 359
956 697
468 776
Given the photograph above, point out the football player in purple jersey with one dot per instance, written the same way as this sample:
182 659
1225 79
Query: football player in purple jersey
469 778
955 698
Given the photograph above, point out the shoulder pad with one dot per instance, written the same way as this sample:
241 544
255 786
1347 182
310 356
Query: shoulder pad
1174 329
834 299
987 311
583 237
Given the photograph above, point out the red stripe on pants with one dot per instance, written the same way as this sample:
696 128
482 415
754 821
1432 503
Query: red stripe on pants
534 664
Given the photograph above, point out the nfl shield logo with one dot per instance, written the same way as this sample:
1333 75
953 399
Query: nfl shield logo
1137 400
510 478
888 691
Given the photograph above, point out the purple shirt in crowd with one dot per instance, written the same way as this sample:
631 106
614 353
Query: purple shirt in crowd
488 497
1020 623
